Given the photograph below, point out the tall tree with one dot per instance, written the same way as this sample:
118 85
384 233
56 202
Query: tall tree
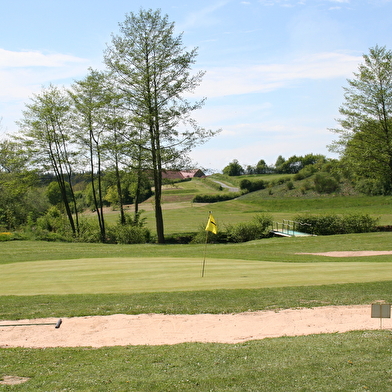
152 69
90 98
45 130
365 132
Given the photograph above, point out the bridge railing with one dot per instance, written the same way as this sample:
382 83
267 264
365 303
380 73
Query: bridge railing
288 227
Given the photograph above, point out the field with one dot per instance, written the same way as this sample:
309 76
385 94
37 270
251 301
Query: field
68 280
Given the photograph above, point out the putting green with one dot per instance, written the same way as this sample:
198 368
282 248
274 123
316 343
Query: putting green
131 275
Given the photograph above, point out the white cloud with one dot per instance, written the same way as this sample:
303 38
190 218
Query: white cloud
221 81
9 59
203 17
22 73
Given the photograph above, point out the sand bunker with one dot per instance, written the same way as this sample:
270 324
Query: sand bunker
351 254
159 329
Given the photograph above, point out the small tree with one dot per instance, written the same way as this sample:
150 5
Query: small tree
45 131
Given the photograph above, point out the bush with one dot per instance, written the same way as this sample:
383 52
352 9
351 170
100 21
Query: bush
127 234
289 185
215 198
325 183
201 237
335 224
306 172
254 230
251 186
371 187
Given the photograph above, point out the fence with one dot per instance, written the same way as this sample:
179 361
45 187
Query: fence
289 228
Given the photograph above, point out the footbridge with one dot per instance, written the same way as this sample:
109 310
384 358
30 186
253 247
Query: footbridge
288 228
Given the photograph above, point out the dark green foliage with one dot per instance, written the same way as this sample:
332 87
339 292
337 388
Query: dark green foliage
290 185
336 224
305 172
234 169
53 192
295 164
372 187
252 185
127 234
365 121
249 231
132 231
215 198
325 183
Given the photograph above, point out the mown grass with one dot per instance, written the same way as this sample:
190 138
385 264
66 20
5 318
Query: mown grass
137 275
356 361
16 307
269 249
270 268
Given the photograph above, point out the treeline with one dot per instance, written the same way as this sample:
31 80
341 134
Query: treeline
282 166
327 173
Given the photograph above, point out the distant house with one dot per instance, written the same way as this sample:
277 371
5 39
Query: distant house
181 174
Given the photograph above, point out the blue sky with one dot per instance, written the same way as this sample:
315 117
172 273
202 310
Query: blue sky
274 68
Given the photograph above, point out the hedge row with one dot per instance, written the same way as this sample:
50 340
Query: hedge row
336 224
216 198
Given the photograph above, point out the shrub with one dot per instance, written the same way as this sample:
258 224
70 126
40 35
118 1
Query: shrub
256 229
325 183
336 224
252 186
289 185
371 187
127 234
215 198
306 172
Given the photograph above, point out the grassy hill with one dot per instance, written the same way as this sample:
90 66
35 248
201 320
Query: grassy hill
181 215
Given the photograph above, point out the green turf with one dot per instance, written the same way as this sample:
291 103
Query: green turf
349 362
135 275
273 249
194 302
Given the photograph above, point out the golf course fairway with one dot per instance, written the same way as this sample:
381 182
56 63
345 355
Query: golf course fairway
135 275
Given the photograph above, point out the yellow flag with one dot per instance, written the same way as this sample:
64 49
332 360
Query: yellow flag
211 225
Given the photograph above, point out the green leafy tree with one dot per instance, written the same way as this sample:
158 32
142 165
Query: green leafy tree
14 157
261 167
153 70
365 132
234 169
45 130
279 163
90 99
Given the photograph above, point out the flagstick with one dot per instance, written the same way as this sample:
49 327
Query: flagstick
205 252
